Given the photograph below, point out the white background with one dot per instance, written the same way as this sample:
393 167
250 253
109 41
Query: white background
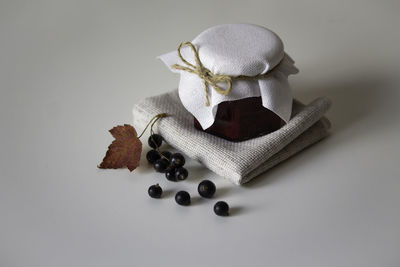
71 70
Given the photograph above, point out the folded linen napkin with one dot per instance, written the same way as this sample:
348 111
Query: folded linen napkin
238 162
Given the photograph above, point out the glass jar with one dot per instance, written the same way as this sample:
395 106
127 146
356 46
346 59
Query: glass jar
243 119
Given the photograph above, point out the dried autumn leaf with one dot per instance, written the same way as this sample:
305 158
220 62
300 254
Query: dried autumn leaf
124 151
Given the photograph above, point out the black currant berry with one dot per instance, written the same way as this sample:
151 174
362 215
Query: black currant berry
170 173
206 188
221 208
178 160
152 156
166 154
161 165
181 174
155 140
182 198
155 191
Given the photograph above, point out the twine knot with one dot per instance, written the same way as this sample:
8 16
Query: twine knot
205 74
210 78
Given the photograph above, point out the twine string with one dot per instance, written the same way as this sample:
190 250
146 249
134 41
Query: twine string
210 78
205 74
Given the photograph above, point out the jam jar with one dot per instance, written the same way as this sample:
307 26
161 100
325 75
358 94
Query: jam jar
242 119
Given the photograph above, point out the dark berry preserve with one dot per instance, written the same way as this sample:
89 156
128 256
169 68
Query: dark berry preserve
243 119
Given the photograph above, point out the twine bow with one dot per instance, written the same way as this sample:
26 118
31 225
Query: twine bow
210 78
205 74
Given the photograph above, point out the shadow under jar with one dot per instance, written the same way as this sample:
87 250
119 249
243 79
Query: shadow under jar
243 119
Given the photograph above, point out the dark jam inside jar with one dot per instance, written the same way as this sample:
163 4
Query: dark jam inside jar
243 119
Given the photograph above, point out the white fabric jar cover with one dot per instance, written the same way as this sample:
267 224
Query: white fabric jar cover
234 50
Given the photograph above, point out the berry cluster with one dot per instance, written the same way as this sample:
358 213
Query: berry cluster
165 162
172 166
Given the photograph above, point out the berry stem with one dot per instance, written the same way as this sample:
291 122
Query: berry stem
153 120
159 152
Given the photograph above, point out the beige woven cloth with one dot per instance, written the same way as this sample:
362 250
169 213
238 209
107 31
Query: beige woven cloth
238 162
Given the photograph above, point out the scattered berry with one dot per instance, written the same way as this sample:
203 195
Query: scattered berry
155 191
170 173
206 188
155 140
161 165
182 198
152 156
166 154
221 208
178 160
181 173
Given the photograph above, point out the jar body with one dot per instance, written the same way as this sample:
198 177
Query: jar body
243 119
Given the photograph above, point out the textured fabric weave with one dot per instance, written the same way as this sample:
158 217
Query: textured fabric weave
238 162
